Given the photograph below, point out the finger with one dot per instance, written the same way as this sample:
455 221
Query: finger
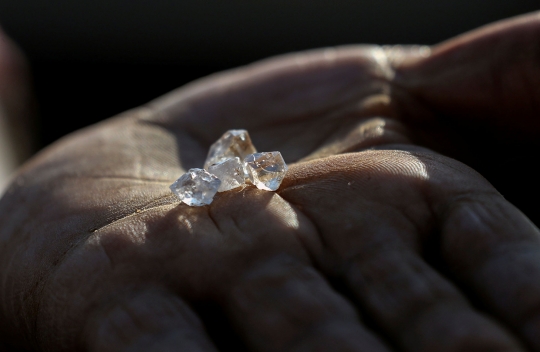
283 305
151 320
490 76
377 240
16 143
310 93
278 89
418 308
492 247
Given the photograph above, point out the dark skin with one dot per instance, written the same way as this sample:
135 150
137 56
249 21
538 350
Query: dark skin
15 110
373 242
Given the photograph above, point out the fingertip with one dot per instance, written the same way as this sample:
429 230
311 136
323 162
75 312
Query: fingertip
13 65
16 127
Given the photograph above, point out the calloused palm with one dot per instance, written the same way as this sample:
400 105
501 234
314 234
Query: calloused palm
370 244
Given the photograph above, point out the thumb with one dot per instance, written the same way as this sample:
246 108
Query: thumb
489 77
15 110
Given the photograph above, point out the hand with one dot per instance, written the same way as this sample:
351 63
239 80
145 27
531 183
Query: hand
370 244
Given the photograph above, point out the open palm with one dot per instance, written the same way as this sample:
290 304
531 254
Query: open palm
372 243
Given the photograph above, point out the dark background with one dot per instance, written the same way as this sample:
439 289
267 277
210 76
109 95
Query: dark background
92 59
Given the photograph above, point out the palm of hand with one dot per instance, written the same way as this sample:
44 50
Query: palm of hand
108 259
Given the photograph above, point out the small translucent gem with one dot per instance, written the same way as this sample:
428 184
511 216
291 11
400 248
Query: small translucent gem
234 143
266 170
196 187
231 173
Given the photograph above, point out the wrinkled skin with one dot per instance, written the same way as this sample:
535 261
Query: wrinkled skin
372 243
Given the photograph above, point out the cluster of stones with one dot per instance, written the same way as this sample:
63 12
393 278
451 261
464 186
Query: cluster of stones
232 162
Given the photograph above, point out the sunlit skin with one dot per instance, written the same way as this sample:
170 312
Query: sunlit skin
15 110
373 242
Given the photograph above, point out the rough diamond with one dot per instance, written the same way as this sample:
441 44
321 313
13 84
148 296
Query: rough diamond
196 187
266 170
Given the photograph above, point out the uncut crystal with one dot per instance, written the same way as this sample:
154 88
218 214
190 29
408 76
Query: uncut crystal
231 173
196 187
233 143
266 170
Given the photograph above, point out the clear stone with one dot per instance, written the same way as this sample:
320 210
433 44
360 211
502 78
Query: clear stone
231 173
266 170
196 187
234 143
